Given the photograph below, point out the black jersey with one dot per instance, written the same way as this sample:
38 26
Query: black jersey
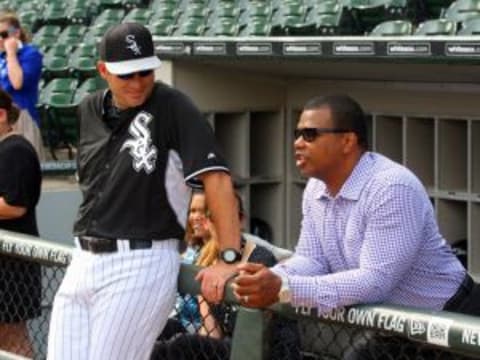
20 182
134 175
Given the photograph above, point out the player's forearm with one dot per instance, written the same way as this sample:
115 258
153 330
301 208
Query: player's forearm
223 207
8 212
15 72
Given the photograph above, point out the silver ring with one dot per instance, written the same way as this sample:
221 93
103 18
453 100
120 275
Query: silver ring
245 299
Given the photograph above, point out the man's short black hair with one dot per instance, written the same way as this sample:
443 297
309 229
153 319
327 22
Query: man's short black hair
346 114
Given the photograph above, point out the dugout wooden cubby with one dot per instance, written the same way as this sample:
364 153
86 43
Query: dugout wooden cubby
425 116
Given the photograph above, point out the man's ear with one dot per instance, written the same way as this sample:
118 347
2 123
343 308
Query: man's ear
350 142
102 69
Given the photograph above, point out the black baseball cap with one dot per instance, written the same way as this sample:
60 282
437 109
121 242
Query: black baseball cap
128 47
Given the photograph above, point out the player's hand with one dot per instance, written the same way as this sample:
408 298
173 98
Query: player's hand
256 286
213 280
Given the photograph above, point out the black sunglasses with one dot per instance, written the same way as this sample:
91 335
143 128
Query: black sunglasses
4 34
310 134
143 73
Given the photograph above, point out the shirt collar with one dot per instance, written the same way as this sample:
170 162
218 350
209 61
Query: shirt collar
355 183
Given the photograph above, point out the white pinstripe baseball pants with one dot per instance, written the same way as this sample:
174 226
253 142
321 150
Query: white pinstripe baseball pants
113 306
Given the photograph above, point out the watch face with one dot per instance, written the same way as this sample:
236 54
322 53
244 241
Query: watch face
229 256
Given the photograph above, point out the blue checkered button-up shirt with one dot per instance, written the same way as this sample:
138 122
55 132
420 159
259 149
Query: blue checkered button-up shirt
376 241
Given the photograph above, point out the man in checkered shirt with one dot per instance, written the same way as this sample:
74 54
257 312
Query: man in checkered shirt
368 234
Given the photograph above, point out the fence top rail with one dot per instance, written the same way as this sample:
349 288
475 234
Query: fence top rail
456 332
34 248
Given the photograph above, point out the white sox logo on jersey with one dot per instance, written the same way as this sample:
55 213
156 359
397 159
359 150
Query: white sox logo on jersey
143 152
132 44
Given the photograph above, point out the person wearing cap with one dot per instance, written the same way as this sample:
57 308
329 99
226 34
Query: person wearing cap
142 146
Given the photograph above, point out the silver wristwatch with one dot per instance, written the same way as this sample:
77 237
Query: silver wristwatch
284 295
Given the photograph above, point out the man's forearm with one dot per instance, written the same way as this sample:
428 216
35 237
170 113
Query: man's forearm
223 207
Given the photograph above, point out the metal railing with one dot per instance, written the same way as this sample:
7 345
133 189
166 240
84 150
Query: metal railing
358 332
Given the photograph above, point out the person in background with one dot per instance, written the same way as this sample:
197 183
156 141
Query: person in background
199 233
213 339
20 65
20 280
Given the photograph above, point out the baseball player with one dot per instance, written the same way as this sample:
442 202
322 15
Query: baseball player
141 144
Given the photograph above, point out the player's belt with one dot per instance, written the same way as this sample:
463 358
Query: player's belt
103 245
462 293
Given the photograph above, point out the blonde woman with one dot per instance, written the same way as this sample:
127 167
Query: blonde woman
213 340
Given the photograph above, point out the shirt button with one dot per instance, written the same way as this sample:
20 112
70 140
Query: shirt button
107 166
100 194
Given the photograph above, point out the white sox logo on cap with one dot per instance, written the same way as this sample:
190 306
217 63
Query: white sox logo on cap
132 44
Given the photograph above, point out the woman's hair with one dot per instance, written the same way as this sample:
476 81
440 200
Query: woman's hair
6 103
209 253
12 20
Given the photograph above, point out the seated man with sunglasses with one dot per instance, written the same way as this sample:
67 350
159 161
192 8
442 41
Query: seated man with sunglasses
142 143
368 234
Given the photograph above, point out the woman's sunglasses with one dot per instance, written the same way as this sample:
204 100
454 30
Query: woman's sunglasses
310 134
143 73
4 34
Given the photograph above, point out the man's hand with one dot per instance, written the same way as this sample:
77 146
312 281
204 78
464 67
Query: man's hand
213 280
256 286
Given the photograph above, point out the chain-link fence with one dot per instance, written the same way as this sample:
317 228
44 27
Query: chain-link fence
32 269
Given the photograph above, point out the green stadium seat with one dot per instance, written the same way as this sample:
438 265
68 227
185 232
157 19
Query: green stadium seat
66 85
223 27
161 27
49 31
436 27
322 19
85 50
60 50
88 86
470 27
82 67
462 10
194 10
138 15
393 28
54 66
225 10
62 122
30 19
58 114
78 13
258 26
109 16
254 10
166 11
194 26
54 14
44 43
72 34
